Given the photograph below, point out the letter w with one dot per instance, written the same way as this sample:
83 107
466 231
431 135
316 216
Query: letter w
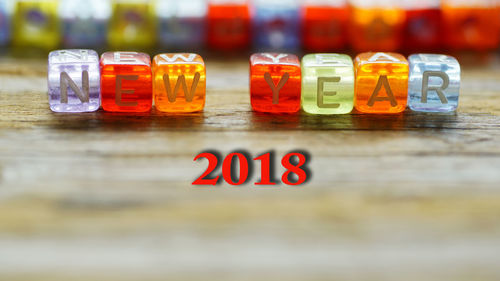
172 95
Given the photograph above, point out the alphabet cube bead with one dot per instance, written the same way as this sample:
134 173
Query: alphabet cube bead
325 25
179 82
275 82
381 83
36 24
126 83
228 24
434 83
132 24
84 23
327 84
276 25
181 24
74 81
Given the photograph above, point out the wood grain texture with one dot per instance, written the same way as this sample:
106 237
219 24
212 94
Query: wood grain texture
106 196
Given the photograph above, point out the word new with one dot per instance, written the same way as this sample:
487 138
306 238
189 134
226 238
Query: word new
125 82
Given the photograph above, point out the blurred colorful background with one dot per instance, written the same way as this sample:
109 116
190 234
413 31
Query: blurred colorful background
258 25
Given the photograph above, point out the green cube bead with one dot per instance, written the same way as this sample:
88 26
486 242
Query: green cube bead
327 84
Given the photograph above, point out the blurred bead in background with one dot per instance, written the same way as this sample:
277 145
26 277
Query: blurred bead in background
84 23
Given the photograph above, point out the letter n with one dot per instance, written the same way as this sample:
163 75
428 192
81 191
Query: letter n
65 81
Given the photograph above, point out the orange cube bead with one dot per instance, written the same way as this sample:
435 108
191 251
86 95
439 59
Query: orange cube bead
126 84
179 82
381 84
275 83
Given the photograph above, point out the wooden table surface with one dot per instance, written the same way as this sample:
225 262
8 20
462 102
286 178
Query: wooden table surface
104 196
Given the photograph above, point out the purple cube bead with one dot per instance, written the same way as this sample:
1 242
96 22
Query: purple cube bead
74 81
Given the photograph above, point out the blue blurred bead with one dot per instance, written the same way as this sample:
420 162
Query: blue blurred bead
181 24
4 23
434 83
84 23
276 25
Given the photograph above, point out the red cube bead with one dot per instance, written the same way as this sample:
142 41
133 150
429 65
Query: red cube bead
325 27
228 25
126 84
275 82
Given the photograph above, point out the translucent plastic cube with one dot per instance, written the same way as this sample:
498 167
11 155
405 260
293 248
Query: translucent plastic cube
275 82
74 81
434 83
126 83
381 85
327 84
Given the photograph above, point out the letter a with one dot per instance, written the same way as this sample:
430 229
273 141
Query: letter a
382 81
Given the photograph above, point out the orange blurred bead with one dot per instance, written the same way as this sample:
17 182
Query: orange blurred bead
471 27
179 82
377 28
381 84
